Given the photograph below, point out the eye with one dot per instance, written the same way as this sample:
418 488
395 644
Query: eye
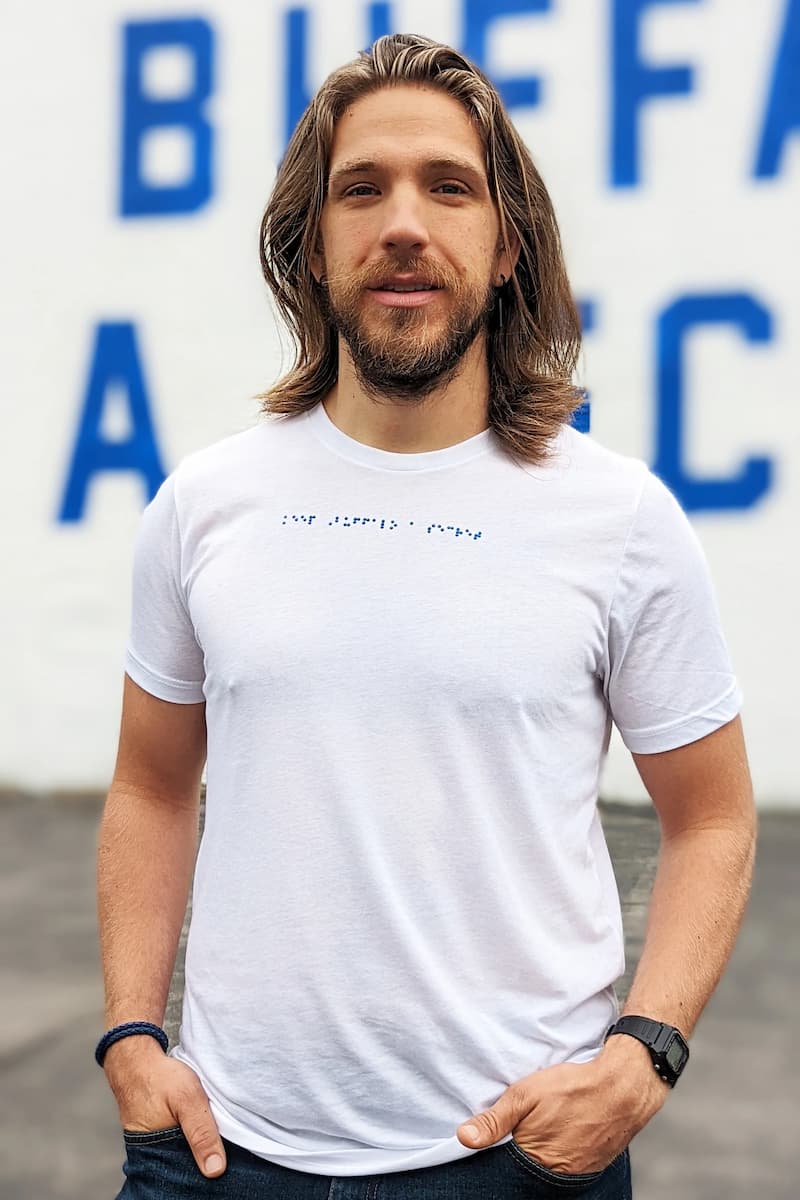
360 189
458 189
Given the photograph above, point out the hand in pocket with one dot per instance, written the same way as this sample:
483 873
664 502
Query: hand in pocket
155 1092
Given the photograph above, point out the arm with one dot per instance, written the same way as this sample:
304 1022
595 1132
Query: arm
146 850
704 800
145 856
578 1118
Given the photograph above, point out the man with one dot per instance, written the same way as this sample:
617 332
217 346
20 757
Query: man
398 623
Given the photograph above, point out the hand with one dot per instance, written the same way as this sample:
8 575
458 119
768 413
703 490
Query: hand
575 1118
154 1091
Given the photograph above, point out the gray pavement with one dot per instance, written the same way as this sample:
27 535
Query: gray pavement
729 1131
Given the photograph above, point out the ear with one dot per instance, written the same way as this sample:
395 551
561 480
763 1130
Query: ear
507 259
316 260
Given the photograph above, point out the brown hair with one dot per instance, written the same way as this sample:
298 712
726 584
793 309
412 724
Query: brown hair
533 356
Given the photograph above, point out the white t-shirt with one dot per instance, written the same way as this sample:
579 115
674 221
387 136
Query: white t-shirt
403 899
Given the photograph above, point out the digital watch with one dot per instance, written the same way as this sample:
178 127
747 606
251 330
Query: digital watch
667 1045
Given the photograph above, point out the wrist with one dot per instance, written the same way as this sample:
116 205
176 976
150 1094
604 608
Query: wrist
131 1054
628 1061
622 1049
129 1029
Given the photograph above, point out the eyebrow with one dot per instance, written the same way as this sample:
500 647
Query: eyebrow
457 166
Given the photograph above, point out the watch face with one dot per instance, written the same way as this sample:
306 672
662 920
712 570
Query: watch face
675 1055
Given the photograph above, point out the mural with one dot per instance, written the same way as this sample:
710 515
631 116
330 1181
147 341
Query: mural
138 327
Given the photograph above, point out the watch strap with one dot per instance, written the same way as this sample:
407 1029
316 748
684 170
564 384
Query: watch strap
643 1028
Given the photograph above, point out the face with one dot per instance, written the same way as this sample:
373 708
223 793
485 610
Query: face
410 251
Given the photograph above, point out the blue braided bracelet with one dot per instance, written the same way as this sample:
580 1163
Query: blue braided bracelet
126 1030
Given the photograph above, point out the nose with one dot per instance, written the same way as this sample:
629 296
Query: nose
404 227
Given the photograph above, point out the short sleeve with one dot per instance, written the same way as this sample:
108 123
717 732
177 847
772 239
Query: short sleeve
162 654
669 679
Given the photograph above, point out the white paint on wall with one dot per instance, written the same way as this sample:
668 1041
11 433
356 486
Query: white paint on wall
698 223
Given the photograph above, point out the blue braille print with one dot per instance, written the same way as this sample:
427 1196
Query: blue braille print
381 522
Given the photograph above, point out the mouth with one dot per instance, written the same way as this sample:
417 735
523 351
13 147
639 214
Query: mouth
402 294
406 287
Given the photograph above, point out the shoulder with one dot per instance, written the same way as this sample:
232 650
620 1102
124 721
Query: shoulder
233 450
221 467
598 474
586 455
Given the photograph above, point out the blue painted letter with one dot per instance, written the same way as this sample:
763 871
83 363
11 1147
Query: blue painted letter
582 417
755 476
783 106
478 16
632 83
379 19
142 113
295 54
115 359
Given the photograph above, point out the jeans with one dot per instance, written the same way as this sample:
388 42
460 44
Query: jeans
160 1166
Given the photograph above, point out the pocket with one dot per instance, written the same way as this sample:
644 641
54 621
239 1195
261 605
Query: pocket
148 1137
559 1182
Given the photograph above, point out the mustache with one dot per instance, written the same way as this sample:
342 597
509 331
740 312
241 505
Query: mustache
373 274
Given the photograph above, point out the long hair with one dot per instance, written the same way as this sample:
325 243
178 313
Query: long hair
531 358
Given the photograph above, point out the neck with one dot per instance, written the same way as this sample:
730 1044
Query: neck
450 413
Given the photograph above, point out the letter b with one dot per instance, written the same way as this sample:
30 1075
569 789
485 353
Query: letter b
142 113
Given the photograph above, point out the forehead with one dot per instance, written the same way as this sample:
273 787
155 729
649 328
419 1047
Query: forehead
404 121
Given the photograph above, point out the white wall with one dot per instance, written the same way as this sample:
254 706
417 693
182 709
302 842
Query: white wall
706 229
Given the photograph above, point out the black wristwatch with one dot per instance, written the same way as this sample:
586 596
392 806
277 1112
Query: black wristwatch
667 1045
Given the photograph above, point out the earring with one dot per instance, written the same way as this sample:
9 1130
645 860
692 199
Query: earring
500 302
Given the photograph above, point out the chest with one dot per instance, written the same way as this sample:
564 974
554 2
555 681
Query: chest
294 609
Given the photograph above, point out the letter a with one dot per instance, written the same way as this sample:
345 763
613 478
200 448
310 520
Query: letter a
115 359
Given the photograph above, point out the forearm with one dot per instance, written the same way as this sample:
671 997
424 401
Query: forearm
145 857
699 897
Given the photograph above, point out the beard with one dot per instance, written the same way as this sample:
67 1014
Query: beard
400 352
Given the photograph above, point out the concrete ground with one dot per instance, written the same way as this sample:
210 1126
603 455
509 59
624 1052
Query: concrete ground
729 1131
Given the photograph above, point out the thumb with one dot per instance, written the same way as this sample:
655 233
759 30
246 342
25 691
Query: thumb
489 1126
201 1133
